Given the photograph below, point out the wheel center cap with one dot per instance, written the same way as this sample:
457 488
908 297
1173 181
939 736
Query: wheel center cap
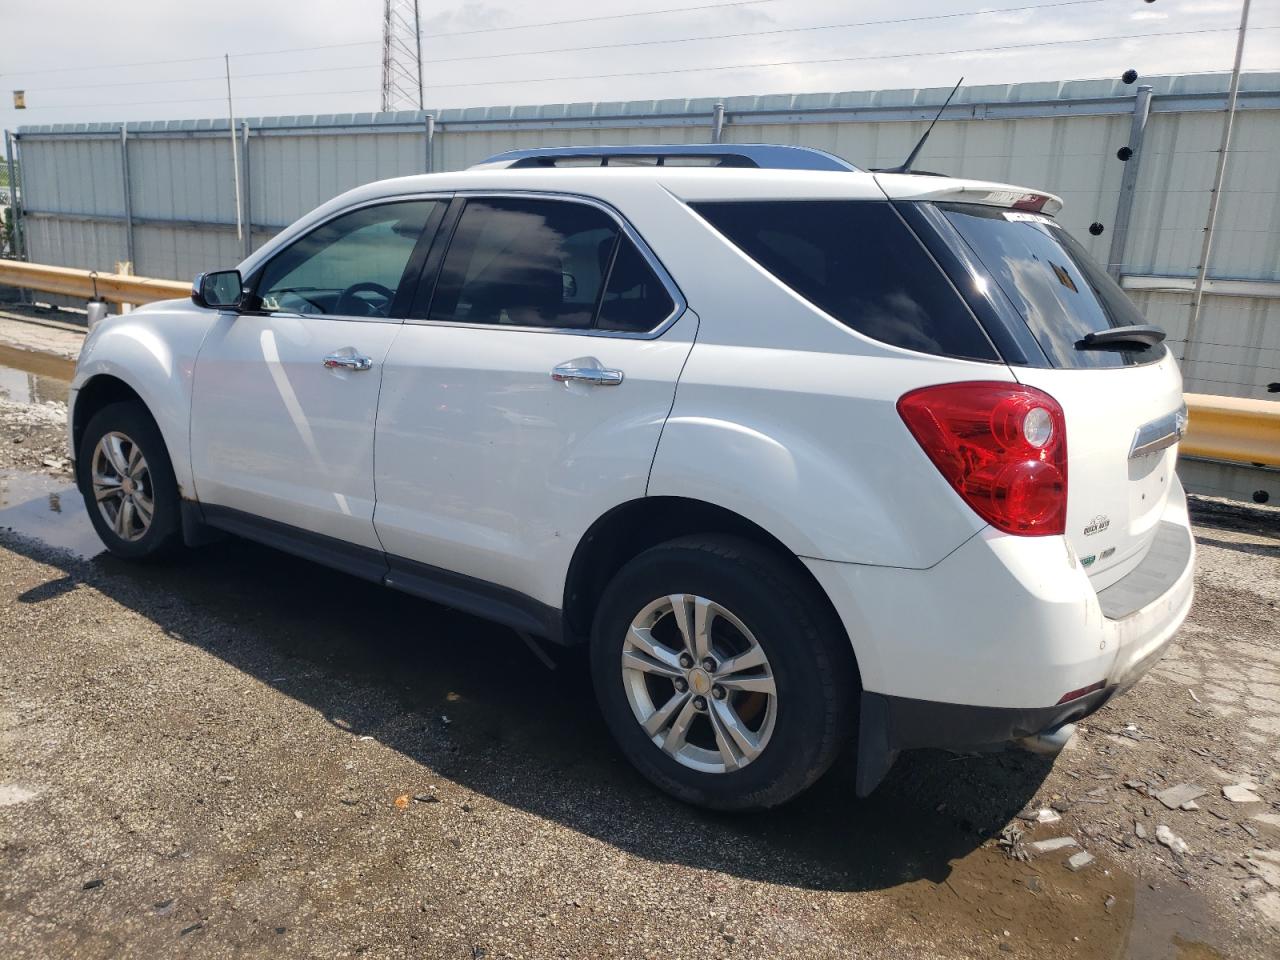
699 681
126 485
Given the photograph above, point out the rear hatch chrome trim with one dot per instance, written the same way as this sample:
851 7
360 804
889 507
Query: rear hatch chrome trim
1159 433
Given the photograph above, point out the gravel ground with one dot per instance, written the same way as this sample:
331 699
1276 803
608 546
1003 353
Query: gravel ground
243 754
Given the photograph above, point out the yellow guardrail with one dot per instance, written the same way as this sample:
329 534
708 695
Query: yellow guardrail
1234 429
70 282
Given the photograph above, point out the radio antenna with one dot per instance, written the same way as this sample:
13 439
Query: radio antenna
915 152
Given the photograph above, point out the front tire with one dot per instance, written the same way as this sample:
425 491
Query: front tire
721 673
127 481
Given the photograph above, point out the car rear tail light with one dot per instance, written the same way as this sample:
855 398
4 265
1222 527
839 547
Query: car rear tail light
1031 201
1002 446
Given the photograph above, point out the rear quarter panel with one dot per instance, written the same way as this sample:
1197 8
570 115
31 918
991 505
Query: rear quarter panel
810 447
789 418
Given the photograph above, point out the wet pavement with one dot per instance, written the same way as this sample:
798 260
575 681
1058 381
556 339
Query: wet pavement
244 754
48 509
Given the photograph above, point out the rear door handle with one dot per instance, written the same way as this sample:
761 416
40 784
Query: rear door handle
346 361
586 370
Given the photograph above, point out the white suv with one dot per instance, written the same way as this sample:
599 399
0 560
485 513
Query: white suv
801 452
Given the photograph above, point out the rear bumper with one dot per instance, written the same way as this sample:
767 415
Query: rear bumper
981 648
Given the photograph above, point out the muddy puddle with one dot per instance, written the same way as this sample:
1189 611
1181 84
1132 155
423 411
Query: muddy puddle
47 509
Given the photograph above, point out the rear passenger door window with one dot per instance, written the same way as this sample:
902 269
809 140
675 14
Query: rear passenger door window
635 301
860 263
549 264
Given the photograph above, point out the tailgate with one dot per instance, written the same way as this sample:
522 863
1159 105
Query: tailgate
1121 424
1120 392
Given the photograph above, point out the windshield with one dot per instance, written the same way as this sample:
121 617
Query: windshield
1059 291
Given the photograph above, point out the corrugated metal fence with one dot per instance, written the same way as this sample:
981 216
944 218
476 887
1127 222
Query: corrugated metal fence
161 194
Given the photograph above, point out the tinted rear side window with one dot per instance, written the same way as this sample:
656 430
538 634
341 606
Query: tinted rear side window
546 263
857 261
635 301
527 263
1054 284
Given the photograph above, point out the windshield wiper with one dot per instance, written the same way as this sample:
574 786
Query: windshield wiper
1122 338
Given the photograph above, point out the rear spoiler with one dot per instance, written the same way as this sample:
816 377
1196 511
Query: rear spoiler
898 186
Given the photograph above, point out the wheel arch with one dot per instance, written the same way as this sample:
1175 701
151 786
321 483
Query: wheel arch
633 527
95 393
151 354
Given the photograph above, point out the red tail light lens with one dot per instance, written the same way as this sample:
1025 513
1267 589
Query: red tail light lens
1002 446
1030 201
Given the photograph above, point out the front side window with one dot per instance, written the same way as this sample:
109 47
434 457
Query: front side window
350 266
857 261
546 263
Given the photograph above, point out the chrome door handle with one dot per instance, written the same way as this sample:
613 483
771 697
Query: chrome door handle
586 370
343 361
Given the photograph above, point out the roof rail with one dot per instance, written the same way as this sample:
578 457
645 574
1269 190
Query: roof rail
765 156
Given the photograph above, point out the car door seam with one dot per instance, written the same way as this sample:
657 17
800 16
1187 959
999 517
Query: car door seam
675 390
373 444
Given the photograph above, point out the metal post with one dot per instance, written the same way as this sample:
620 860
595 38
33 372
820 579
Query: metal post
235 159
248 190
19 241
417 33
127 188
431 139
1129 183
717 123
1189 350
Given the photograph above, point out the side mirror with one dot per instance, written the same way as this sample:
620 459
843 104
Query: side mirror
219 290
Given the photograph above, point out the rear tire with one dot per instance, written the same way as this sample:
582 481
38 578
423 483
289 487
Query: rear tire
744 719
126 478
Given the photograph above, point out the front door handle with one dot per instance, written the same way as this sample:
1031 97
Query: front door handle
346 361
586 370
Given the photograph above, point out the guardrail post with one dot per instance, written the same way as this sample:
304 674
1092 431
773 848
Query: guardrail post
717 123
248 190
429 132
127 187
1129 183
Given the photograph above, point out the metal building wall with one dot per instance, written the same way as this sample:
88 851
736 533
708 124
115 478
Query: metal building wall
180 210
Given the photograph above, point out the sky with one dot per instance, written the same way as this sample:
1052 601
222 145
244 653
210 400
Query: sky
85 60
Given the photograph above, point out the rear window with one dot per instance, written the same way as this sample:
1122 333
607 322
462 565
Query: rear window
859 262
1051 281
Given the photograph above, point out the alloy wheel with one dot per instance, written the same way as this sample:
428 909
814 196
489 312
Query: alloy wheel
122 486
699 683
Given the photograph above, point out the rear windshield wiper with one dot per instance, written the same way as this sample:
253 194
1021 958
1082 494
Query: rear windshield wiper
1122 338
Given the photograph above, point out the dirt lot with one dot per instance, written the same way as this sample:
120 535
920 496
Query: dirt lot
244 754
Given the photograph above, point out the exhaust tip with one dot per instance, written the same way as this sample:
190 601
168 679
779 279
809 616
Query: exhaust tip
1048 742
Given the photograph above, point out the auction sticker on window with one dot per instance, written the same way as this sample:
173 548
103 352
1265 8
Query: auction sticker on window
1021 216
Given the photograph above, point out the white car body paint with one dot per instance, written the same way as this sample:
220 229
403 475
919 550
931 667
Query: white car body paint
276 434
491 469
481 465
153 350
1003 620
